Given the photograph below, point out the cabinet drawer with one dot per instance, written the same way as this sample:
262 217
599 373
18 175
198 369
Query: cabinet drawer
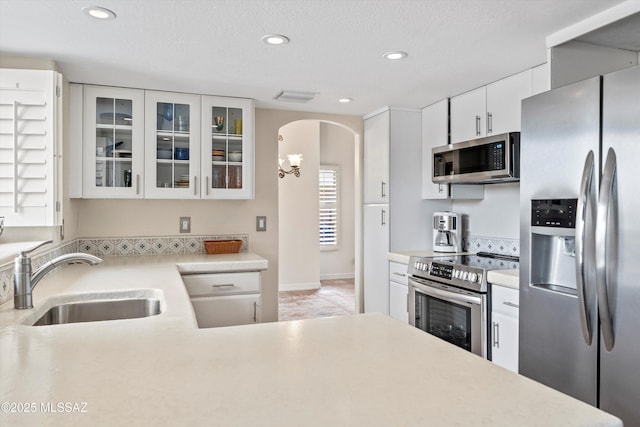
505 300
398 273
200 285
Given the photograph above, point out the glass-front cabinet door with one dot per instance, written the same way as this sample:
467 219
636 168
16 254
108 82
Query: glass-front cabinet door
227 148
172 161
113 149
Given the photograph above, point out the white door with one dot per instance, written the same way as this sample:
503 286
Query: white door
468 112
376 265
172 143
376 159
113 142
504 99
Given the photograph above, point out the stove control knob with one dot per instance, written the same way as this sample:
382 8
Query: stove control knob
473 277
465 275
456 274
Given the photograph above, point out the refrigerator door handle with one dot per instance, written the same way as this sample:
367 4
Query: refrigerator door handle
606 242
583 223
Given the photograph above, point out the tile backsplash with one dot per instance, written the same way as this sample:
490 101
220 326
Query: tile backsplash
118 246
170 245
492 244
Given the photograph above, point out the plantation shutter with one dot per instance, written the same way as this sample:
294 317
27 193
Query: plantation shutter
328 188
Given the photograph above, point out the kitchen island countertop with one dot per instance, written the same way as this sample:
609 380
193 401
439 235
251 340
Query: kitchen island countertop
351 370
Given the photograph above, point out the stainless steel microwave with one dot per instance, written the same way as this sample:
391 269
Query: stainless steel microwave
492 159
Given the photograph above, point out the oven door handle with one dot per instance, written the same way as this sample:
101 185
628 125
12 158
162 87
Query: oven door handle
444 294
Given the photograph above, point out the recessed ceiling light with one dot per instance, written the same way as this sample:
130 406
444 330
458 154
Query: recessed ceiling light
345 100
275 39
398 54
99 13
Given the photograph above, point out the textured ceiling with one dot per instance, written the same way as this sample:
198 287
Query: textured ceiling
214 46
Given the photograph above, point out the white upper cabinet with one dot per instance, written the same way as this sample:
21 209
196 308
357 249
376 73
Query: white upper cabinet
491 109
504 99
172 143
376 158
113 143
227 148
137 143
540 78
468 112
30 147
435 133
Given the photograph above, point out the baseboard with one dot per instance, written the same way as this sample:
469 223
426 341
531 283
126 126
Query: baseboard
337 276
298 286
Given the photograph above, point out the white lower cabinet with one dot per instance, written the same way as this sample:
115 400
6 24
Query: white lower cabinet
504 327
229 310
224 299
398 292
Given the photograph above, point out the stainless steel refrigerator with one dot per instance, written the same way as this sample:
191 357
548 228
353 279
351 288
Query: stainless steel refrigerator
580 241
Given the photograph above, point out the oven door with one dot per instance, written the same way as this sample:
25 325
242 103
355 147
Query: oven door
455 315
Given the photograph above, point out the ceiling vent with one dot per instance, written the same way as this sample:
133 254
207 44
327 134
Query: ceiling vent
293 96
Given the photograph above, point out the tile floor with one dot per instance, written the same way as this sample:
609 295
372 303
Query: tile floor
334 298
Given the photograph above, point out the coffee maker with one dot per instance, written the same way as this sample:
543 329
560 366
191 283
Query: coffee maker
447 232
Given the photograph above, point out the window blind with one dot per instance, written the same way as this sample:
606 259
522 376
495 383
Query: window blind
328 193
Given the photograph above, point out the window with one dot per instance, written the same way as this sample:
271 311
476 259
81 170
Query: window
328 193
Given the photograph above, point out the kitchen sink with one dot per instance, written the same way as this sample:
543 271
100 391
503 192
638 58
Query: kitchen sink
96 311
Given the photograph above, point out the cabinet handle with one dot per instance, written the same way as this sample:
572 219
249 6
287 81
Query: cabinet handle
489 123
440 188
477 125
511 304
255 312
496 334
137 183
223 285
383 222
382 189
206 182
399 274
195 185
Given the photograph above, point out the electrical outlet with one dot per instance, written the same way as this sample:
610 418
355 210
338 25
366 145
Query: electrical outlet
261 223
185 224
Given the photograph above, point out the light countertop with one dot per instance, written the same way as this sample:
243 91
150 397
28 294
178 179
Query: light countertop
506 278
163 371
402 257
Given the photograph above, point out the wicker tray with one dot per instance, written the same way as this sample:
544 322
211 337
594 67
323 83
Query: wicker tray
222 246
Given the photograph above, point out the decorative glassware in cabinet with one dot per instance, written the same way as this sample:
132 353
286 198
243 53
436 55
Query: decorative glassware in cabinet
172 145
113 144
226 147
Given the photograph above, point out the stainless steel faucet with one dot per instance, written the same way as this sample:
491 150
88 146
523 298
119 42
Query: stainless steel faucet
24 281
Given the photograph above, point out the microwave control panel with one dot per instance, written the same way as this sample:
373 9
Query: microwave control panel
497 156
554 213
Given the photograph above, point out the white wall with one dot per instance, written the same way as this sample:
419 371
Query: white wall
337 147
498 215
298 208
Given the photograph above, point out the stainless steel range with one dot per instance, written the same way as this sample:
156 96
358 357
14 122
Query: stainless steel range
448 297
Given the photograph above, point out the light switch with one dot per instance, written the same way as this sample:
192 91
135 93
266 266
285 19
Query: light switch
261 223
185 224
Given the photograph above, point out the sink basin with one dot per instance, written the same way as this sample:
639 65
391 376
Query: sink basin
96 311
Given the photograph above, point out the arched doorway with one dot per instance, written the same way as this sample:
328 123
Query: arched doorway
302 264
